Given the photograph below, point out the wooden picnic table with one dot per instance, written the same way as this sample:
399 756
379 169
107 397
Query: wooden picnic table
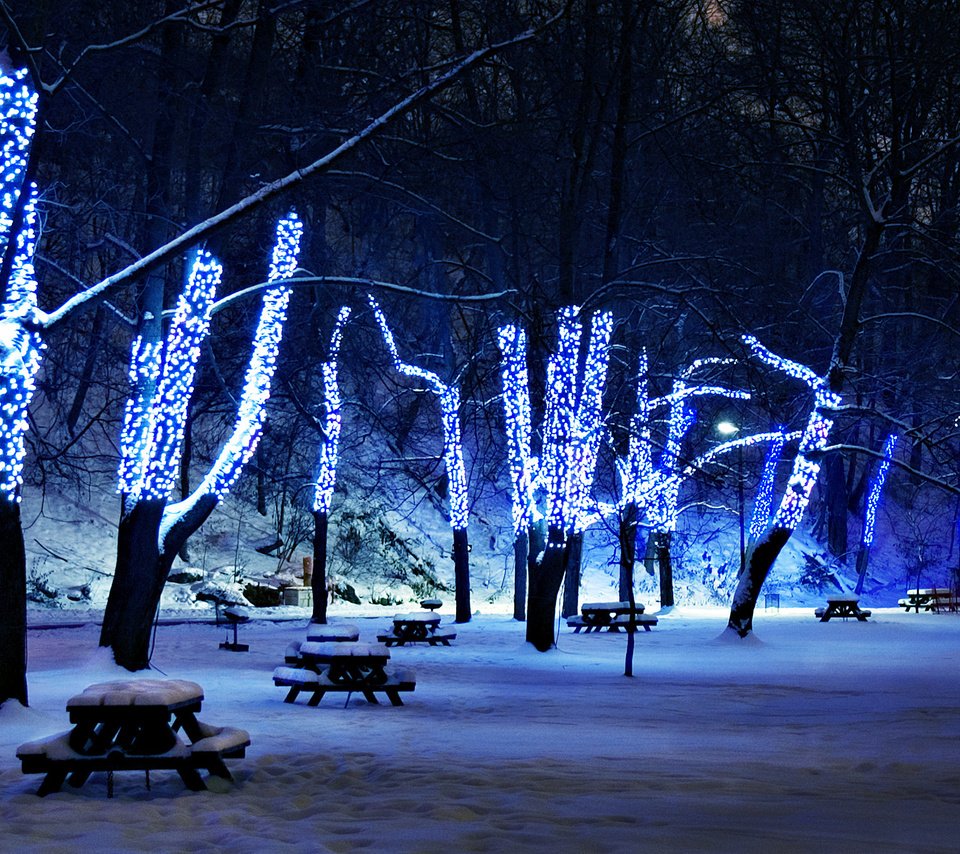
416 628
132 724
356 663
326 667
598 615
843 607
935 599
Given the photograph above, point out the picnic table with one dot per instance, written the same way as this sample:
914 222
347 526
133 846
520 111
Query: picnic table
416 628
360 663
843 607
132 724
612 616
333 632
329 666
936 599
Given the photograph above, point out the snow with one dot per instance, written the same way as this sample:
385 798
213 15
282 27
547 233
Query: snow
814 736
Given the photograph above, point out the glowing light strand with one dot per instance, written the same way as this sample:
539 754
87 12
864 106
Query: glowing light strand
449 397
18 116
20 347
20 351
251 412
135 432
516 409
589 423
876 490
181 353
764 499
805 471
663 511
332 421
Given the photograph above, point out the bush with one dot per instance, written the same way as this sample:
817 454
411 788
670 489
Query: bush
184 577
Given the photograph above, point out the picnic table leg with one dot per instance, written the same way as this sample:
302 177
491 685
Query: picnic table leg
317 696
51 783
191 778
292 694
371 697
394 696
78 778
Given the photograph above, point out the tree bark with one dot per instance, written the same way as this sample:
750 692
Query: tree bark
665 564
835 484
318 583
13 605
461 575
143 564
546 575
138 581
759 560
520 545
571 585
628 550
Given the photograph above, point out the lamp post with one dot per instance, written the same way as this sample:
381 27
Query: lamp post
727 429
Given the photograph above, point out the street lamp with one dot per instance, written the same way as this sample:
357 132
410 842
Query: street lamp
728 430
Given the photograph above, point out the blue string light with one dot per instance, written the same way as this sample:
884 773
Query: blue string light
876 489
765 489
332 421
251 412
19 347
805 470
573 425
516 410
449 397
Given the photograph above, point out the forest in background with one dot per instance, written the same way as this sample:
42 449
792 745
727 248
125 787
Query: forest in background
702 169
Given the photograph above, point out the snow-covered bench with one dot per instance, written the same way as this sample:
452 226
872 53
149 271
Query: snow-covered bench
302 680
55 757
621 621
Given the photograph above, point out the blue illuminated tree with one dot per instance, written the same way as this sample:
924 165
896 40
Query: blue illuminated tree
326 479
870 506
764 550
151 531
555 486
449 399
19 360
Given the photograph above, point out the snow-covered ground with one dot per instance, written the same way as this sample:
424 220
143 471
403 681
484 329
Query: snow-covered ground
816 737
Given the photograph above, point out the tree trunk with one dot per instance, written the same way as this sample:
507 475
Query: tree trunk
461 574
520 576
571 586
863 557
318 583
650 553
13 605
666 569
142 569
835 484
759 560
137 584
628 550
546 575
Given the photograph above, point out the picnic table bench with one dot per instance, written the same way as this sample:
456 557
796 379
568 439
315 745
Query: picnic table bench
326 666
612 616
843 607
936 599
317 684
131 725
416 628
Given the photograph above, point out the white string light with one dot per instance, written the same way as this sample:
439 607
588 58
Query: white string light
251 412
804 475
332 421
19 346
765 489
876 489
449 396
